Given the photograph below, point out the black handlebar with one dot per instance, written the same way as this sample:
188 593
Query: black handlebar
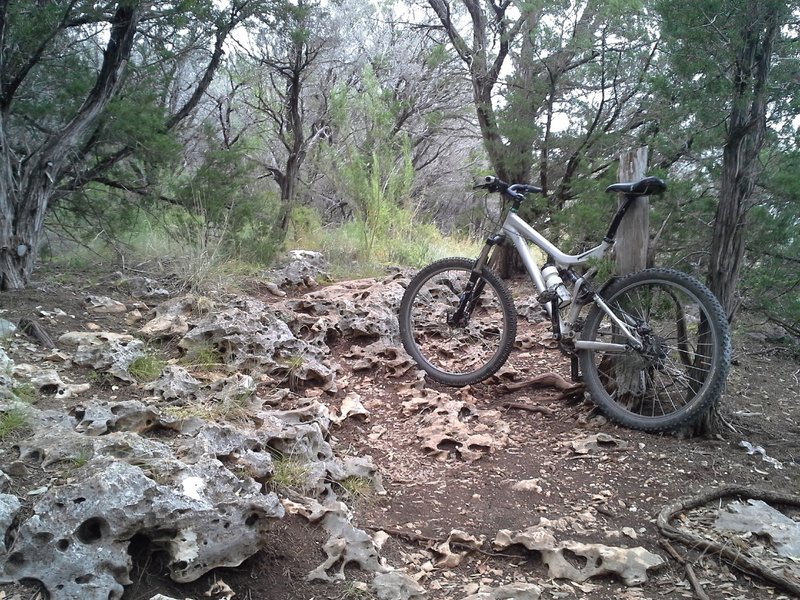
516 191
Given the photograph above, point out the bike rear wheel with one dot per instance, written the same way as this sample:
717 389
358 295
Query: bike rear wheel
682 368
464 353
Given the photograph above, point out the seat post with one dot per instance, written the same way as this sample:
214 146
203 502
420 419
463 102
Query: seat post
618 216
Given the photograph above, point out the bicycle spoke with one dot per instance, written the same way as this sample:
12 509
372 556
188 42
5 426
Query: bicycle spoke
674 365
454 341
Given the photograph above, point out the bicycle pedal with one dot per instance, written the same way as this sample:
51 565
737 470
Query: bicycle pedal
547 296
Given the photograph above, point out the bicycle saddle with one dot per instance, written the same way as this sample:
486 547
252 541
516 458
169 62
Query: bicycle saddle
648 186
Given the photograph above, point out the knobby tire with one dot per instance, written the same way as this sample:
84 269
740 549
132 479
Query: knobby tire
457 355
682 370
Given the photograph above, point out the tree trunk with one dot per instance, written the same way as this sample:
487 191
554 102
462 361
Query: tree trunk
746 130
25 191
633 235
630 255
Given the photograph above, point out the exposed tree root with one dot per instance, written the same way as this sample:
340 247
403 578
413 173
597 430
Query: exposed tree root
734 557
568 389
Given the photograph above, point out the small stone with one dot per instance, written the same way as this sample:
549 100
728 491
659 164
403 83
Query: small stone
17 469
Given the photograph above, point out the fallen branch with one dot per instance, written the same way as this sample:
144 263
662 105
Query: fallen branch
36 332
687 566
734 557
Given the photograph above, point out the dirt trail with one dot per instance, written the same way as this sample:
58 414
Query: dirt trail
462 460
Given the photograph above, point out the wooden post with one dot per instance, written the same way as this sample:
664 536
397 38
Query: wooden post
633 235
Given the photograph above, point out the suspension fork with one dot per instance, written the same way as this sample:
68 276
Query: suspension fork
472 291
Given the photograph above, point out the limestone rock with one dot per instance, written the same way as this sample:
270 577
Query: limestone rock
105 351
346 545
142 287
300 268
760 518
7 328
104 305
512 591
81 530
396 586
630 564
172 318
448 424
360 309
249 337
598 443
9 507
98 418
49 382
447 558
175 382
380 355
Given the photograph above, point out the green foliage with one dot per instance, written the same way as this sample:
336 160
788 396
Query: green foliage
11 420
224 211
25 392
375 171
290 472
146 368
771 283
202 356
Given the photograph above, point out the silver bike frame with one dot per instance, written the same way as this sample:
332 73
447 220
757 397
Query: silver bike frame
519 231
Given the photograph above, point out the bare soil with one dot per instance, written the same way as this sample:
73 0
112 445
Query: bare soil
622 487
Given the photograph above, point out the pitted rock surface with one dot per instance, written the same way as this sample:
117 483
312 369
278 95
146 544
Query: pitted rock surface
82 530
104 351
300 268
629 564
365 308
447 423
248 336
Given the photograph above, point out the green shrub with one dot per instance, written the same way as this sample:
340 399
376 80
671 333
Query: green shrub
12 420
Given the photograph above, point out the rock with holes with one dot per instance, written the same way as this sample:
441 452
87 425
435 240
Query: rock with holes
172 318
380 355
98 418
598 444
175 383
448 424
104 304
9 507
395 585
511 591
347 544
76 542
48 382
142 287
6 375
104 351
300 268
577 561
248 336
360 309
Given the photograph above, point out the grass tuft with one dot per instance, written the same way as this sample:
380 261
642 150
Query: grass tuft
12 420
146 368
290 472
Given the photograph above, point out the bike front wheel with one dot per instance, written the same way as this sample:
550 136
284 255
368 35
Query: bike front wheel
466 352
685 356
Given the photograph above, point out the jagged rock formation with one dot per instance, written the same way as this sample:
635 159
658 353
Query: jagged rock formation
629 564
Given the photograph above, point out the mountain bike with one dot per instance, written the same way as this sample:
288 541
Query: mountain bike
653 348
